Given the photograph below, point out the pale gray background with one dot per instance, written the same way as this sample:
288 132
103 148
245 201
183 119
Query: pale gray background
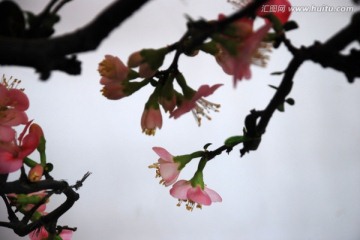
302 184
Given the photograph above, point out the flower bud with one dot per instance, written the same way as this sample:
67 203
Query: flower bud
35 173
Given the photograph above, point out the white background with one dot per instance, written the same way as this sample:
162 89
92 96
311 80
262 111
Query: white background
302 183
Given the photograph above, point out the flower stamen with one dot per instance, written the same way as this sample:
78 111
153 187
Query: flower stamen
202 108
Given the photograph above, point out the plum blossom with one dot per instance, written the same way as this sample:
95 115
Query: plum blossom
250 49
193 195
12 153
113 76
150 120
166 167
13 104
197 104
42 234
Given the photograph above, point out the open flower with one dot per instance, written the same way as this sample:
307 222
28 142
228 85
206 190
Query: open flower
150 120
250 49
166 167
42 234
114 74
193 195
13 104
13 153
197 104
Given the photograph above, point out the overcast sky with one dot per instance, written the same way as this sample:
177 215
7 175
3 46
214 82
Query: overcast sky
302 183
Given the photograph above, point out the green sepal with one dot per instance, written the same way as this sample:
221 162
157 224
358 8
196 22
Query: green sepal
131 87
210 48
187 91
234 140
36 216
198 179
182 160
132 74
229 45
167 89
154 57
24 199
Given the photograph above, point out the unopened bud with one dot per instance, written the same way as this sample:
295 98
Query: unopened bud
35 173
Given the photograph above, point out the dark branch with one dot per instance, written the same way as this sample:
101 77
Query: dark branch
46 55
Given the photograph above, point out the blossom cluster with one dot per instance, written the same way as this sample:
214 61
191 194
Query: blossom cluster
192 192
15 150
234 49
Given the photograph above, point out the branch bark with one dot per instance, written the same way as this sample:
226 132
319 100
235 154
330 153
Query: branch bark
46 55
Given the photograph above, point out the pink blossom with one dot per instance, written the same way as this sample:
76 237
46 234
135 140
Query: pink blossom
197 104
166 167
13 103
185 192
114 73
13 153
42 234
150 120
249 50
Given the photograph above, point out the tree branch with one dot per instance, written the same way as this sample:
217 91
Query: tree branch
46 55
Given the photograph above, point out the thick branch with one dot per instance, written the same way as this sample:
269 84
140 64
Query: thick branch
46 55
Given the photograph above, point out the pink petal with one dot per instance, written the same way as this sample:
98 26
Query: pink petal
169 172
163 154
8 163
18 99
13 117
206 90
214 196
199 196
7 134
179 189
66 234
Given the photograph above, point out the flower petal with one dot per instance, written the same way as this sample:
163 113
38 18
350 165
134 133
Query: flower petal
199 196
169 172
179 189
163 154
8 163
214 196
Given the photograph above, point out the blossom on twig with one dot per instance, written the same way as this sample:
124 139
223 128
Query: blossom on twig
166 167
13 104
113 76
197 104
193 195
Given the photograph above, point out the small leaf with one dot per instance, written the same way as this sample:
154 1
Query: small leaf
232 141
278 73
272 86
207 145
290 25
290 101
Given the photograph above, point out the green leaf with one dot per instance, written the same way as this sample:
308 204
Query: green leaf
290 101
232 141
